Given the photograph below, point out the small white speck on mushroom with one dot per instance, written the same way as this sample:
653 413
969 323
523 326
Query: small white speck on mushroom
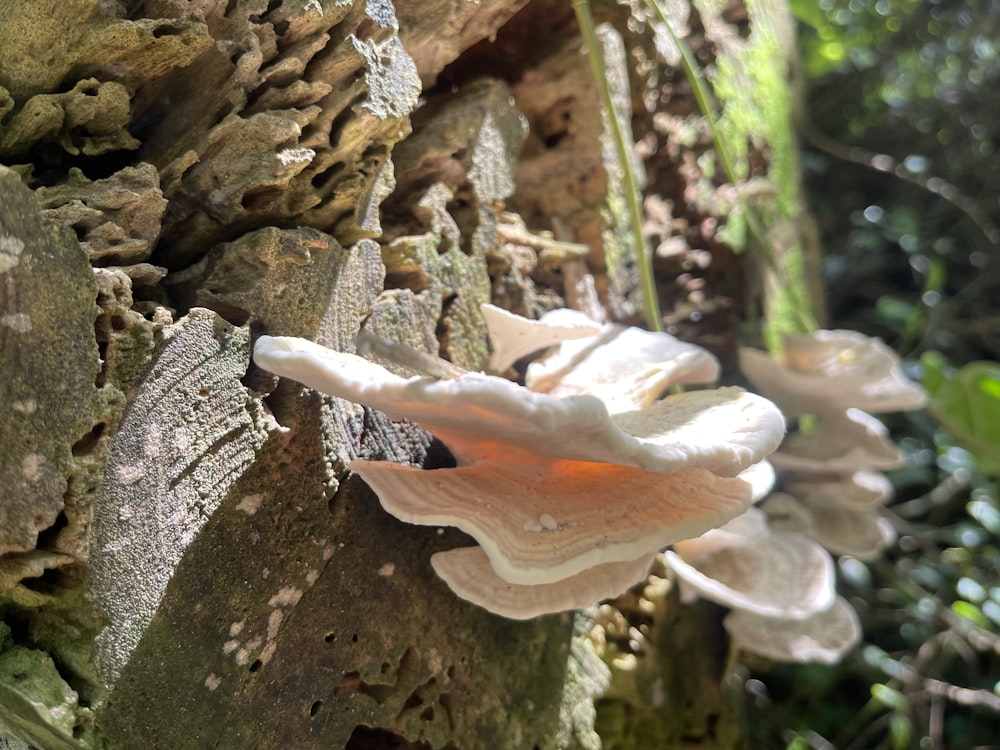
229 646
548 522
387 570
236 628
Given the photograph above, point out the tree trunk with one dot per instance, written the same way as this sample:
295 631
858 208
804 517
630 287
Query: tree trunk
185 558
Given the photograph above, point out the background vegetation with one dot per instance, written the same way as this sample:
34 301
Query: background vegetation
903 173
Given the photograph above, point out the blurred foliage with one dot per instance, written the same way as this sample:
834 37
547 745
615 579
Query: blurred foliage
902 165
928 673
904 168
967 404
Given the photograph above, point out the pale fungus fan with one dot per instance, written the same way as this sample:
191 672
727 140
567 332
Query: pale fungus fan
779 586
823 637
830 371
468 573
830 472
478 416
841 443
567 501
627 368
542 523
513 336
862 489
843 529
744 565
761 478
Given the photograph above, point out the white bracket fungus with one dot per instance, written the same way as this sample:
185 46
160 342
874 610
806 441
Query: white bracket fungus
544 523
844 530
478 416
627 368
834 492
744 565
568 501
841 443
761 478
862 489
513 336
830 371
779 585
468 573
824 637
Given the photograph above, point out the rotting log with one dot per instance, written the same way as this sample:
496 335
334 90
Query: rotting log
185 559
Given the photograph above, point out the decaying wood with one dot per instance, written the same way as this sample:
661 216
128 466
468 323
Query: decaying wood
185 558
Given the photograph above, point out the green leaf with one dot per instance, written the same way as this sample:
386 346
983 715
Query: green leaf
967 404
970 612
935 368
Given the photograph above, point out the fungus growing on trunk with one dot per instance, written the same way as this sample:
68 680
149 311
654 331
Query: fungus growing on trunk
823 637
568 501
830 371
468 573
627 368
513 337
745 565
480 417
841 443
549 521
862 489
844 530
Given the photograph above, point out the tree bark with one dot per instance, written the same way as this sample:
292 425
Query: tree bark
185 558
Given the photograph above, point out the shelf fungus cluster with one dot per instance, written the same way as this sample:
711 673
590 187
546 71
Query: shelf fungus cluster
830 465
779 585
773 565
570 486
